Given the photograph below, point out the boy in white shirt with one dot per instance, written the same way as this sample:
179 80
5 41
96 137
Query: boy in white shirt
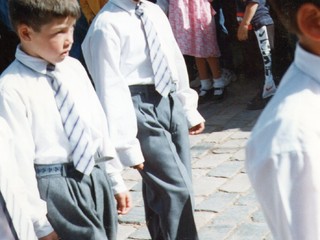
282 154
149 117
59 128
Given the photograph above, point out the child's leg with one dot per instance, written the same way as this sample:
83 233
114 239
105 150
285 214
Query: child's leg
167 191
219 83
269 87
204 76
81 209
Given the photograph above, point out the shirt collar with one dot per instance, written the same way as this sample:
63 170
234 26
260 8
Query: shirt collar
127 5
37 64
307 62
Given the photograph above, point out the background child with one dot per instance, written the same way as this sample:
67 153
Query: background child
144 124
282 154
194 28
69 196
254 17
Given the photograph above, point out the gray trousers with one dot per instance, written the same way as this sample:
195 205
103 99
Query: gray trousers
167 185
80 207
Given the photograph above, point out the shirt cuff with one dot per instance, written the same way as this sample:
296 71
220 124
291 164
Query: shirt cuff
117 183
131 156
194 118
42 227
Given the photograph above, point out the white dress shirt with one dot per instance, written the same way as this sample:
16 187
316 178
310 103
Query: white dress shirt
283 153
27 103
13 191
116 53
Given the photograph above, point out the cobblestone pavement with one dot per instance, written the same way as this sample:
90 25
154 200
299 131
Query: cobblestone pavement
226 208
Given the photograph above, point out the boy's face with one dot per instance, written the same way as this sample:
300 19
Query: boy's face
53 42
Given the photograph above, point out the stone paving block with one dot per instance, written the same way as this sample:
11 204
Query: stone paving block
198 199
241 135
218 137
258 217
198 173
205 186
217 202
226 169
201 149
202 218
137 187
229 146
135 216
136 198
132 184
248 198
239 183
257 231
141 233
234 215
240 155
195 139
210 161
216 232
131 174
124 231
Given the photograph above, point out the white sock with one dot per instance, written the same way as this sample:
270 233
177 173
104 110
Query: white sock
218 83
206 84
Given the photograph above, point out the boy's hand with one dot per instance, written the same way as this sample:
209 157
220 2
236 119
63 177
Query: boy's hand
243 32
196 129
51 236
139 167
124 202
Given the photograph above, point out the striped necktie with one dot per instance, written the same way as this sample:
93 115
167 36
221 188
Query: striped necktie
82 152
160 67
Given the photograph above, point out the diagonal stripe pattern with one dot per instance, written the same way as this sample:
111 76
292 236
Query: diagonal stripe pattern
160 67
82 152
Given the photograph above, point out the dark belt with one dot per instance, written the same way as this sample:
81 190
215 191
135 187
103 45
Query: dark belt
147 89
59 169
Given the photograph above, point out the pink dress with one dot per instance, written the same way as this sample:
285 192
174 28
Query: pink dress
194 27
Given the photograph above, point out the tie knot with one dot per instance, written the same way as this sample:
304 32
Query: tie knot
139 9
50 67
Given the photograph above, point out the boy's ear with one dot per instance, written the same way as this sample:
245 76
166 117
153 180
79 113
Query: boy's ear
308 19
24 32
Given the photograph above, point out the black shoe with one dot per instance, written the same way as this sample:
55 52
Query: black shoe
217 98
258 102
204 98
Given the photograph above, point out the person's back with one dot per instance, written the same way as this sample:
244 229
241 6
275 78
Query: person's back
59 128
282 155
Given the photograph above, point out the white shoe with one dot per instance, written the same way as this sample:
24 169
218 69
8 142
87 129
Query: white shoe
228 76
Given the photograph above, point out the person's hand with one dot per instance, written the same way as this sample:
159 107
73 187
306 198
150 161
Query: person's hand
139 167
51 236
196 129
243 32
124 202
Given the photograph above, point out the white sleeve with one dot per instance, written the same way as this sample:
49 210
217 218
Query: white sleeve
13 110
102 52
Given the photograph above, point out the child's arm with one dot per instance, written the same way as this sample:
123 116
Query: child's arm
251 9
187 96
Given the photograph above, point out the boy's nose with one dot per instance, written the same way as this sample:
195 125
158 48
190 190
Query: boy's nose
70 37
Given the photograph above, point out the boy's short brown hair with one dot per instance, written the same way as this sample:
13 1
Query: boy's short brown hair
287 11
36 13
